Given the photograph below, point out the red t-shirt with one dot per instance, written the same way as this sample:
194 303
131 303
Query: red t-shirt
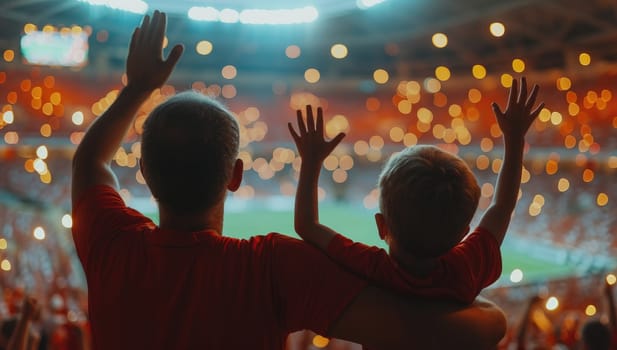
151 288
460 274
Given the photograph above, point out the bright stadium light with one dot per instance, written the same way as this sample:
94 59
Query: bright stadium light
254 16
284 16
198 13
229 16
364 4
135 6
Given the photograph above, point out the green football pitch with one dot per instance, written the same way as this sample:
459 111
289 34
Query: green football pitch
358 224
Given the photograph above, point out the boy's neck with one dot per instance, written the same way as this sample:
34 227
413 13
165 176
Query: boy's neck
420 267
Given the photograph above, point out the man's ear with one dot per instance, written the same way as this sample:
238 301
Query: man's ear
382 227
236 176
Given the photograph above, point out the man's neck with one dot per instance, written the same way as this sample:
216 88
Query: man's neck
209 219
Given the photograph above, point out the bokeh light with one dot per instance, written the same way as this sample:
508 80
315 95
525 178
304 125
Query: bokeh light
440 40
497 29
552 303
338 51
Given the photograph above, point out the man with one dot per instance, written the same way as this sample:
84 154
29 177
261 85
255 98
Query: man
182 284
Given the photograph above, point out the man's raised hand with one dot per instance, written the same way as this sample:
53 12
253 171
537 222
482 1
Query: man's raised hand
145 67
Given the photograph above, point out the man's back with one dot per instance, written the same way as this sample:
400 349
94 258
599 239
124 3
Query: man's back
173 288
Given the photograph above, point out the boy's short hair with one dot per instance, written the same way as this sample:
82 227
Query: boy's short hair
189 146
428 198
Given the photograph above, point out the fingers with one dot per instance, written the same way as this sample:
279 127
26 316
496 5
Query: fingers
497 110
153 25
293 133
174 56
143 29
319 126
336 140
134 39
532 97
536 111
159 26
522 95
310 121
301 125
513 92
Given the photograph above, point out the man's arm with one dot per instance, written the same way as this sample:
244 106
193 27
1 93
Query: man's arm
313 149
514 123
378 319
146 71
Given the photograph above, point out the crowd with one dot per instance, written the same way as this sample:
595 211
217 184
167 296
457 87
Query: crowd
43 268
48 268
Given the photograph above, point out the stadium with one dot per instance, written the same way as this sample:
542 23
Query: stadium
389 73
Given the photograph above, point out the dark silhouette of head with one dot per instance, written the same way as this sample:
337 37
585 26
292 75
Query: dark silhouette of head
596 336
428 198
189 147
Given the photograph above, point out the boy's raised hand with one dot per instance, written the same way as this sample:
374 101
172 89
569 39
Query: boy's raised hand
310 139
519 113
145 67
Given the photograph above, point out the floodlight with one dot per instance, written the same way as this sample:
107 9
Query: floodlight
135 6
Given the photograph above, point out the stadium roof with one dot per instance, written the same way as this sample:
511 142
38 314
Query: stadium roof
395 35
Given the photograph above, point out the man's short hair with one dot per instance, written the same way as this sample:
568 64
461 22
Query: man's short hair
189 145
596 336
428 198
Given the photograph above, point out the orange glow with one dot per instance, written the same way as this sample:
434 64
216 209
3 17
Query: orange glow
440 99
49 82
381 76
11 138
25 85
9 55
482 162
602 199
46 130
11 97
474 95
551 167
373 104
55 98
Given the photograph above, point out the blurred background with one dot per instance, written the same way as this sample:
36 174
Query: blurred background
389 73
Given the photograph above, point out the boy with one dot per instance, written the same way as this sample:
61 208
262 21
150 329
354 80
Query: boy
428 198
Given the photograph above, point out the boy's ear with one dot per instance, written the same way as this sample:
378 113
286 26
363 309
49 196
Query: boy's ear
236 176
382 228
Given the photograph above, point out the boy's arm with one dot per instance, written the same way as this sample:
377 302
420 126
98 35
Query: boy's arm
146 71
414 323
514 123
313 149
